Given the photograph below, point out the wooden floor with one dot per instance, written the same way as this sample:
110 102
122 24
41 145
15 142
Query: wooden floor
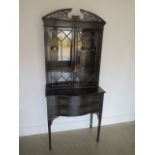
115 139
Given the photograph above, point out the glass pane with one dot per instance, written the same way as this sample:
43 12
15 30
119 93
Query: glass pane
59 46
60 77
85 76
86 48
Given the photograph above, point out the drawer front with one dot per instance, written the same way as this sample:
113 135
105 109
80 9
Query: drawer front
72 105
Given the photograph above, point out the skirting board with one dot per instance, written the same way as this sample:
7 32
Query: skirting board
74 125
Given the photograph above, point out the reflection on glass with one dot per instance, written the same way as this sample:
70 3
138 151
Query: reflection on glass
59 45
85 76
86 40
56 77
86 48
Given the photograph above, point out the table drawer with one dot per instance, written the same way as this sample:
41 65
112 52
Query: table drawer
72 105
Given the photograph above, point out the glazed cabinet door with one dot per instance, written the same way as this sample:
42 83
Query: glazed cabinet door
59 56
86 47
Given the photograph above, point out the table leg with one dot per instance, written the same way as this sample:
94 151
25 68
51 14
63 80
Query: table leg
91 120
99 117
99 126
49 134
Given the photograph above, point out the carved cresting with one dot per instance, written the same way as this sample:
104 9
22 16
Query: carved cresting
59 14
64 14
89 16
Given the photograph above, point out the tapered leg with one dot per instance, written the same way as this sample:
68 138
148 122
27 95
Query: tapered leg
99 114
99 126
49 134
91 120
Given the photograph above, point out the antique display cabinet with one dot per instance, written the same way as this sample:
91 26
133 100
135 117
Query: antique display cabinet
72 59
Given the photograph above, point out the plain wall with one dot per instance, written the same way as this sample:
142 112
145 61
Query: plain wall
116 72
